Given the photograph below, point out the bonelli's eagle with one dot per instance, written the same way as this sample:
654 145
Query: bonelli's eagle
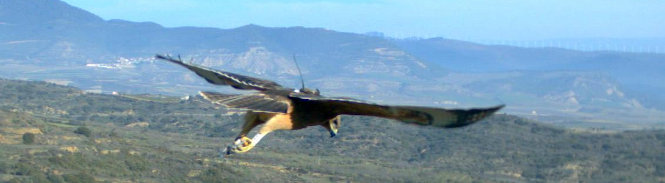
281 108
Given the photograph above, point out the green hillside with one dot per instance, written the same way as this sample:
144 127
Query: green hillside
80 137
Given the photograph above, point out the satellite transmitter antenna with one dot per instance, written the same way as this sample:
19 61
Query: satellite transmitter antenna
302 81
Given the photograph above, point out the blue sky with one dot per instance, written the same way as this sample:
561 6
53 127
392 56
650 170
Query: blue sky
459 19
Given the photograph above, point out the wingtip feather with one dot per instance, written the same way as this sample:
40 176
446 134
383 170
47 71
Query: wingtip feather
170 59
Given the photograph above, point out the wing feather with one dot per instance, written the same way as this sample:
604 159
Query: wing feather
257 102
430 116
236 81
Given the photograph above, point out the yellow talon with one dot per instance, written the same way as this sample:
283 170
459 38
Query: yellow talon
245 146
246 141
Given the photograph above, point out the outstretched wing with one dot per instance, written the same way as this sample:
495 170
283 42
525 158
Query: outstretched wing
257 102
447 118
236 81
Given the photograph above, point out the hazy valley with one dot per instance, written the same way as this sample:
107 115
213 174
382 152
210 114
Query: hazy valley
150 138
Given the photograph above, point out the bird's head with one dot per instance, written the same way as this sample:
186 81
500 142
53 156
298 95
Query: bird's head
333 125
302 82
310 91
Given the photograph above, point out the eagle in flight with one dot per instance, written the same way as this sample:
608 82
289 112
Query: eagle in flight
281 108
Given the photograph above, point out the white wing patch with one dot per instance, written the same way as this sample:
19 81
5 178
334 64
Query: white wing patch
321 98
255 102
225 78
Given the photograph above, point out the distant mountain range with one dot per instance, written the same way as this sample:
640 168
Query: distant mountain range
51 40
640 74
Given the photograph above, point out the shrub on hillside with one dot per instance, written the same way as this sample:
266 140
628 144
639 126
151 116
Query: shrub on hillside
28 138
83 131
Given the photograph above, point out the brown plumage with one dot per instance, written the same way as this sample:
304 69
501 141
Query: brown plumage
280 108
